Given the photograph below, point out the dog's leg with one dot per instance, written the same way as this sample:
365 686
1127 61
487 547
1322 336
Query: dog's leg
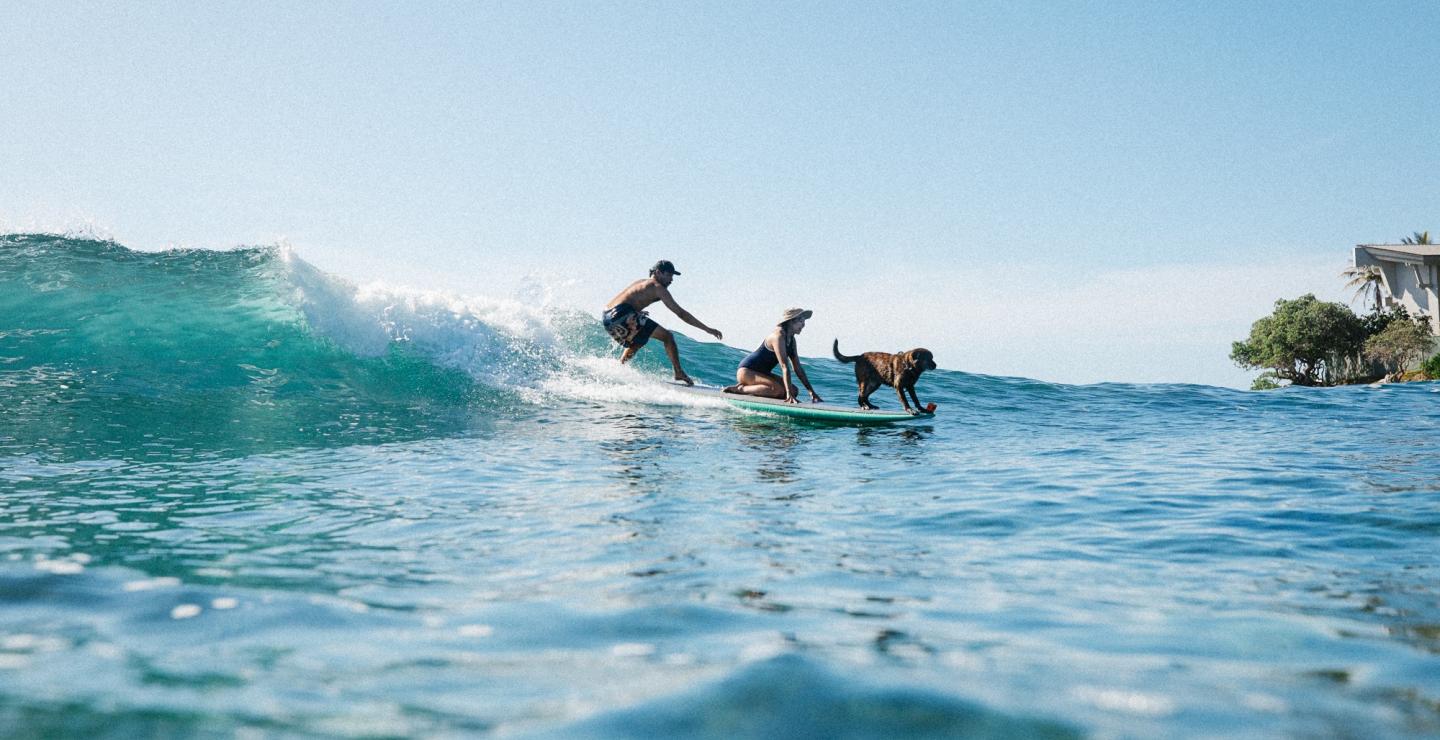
918 406
900 391
866 388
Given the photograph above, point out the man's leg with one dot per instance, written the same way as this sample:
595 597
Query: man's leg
632 334
673 352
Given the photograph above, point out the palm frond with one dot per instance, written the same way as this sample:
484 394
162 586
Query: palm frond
1365 279
1362 275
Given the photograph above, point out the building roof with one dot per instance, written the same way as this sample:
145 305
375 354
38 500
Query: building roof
1421 254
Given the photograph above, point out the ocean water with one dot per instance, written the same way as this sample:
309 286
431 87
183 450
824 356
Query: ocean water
239 496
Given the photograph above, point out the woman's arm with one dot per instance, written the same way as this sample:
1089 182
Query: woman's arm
781 347
800 370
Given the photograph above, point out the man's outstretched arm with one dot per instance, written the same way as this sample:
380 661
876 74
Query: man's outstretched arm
685 316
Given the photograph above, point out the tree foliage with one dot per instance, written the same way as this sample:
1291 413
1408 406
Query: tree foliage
1305 341
1399 343
1431 367
1376 321
1265 382
1419 237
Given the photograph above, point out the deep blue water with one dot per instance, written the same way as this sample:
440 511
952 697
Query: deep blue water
239 494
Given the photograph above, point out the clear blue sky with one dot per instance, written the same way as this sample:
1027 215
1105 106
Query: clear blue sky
1068 191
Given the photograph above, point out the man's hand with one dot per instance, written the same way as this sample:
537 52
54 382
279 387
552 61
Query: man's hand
715 333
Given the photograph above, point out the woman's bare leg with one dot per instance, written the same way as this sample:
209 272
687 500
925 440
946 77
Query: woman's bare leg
750 383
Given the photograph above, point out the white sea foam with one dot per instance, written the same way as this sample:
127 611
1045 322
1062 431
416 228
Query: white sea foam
71 223
605 380
528 345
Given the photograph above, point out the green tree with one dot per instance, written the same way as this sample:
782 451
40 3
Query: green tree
1376 321
1431 367
1265 382
1367 280
1305 341
1399 344
1419 237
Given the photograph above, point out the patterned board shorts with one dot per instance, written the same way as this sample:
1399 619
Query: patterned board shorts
628 327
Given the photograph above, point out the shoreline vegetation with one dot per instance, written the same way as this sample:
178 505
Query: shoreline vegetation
1309 342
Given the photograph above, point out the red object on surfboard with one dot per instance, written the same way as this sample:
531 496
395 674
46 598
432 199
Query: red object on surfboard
930 407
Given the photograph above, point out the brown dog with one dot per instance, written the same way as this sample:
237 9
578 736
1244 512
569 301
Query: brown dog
899 371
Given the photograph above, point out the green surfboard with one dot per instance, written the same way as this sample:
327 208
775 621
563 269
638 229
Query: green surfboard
810 411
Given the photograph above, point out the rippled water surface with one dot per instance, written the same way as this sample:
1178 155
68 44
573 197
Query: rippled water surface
236 493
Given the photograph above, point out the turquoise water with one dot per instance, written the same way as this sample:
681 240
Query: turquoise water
237 494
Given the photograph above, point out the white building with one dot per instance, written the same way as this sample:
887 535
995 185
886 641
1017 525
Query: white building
1410 272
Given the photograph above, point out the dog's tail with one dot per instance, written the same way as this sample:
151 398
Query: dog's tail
843 358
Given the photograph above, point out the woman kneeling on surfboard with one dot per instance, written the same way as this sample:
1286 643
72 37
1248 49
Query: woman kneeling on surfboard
754 377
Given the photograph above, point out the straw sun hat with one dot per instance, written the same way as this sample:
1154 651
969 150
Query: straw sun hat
795 313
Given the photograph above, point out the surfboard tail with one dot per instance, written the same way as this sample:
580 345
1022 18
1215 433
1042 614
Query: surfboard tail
835 348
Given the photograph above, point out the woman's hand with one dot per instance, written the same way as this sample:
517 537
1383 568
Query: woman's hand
815 397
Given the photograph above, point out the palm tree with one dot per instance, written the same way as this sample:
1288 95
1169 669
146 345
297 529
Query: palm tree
1367 280
1419 237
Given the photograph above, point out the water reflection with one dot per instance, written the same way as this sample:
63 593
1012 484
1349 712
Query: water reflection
907 444
636 444
777 443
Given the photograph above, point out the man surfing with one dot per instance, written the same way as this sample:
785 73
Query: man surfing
631 327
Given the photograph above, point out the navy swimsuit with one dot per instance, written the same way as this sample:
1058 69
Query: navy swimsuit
763 360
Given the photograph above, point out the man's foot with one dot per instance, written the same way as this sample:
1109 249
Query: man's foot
683 378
